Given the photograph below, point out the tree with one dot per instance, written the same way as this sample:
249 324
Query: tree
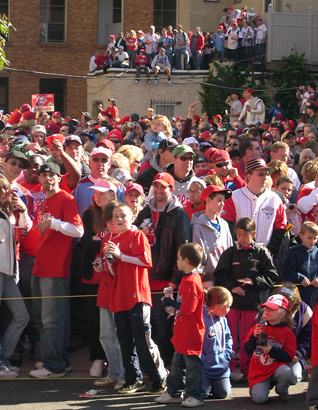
287 79
5 27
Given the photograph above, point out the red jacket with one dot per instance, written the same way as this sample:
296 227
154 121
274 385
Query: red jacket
199 42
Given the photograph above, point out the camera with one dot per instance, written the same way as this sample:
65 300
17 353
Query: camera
110 258
291 206
147 223
131 124
96 262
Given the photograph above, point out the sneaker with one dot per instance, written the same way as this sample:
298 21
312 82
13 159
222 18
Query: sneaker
284 398
106 381
97 368
14 369
165 398
169 82
38 365
137 81
5 372
192 402
236 376
157 388
43 373
119 384
156 82
132 388
149 81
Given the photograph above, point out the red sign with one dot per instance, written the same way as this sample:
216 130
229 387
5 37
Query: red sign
43 101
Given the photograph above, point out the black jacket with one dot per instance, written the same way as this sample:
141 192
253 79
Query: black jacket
172 231
254 263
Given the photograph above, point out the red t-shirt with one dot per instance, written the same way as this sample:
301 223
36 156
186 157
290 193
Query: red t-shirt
188 207
54 250
131 282
262 366
131 43
189 329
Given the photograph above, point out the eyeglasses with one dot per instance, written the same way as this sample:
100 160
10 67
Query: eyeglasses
16 164
289 137
222 164
102 160
184 159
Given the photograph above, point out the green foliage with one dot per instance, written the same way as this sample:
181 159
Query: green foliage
5 27
224 79
287 79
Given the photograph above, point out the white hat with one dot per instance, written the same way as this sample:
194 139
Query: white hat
38 128
103 186
101 150
190 140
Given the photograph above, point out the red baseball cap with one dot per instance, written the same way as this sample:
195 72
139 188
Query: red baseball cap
206 135
259 19
56 114
196 118
218 116
53 127
209 152
136 187
230 8
267 136
209 190
115 134
276 302
165 179
249 90
220 156
107 144
301 140
28 115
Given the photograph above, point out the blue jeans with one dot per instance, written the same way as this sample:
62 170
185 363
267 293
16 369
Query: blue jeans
20 317
132 332
178 53
145 69
218 388
260 50
186 375
282 378
49 318
197 59
109 342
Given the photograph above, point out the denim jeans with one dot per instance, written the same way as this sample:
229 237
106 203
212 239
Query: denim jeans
145 69
196 59
20 317
110 344
49 318
178 53
297 370
218 388
186 375
282 378
312 392
260 50
132 331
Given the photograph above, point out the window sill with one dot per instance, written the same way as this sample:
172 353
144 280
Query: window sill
53 45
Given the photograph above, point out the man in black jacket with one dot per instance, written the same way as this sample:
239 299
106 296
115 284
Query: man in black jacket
170 229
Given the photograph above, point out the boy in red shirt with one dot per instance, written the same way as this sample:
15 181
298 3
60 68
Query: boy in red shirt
141 63
130 300
188 332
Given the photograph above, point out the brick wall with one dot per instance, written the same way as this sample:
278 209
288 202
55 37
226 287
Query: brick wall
138 15
26 52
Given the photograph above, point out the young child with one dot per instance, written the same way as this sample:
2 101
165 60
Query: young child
188 333
134 196
269 362
130 300
217 345
285 186
301 264
245 269
108 336
195 203
209 230
160 129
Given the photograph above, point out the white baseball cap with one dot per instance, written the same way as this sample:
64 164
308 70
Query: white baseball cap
101 150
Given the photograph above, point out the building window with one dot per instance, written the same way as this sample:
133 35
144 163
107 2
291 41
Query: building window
52 21
164 13
57 87
4 91
4 7
165 107
116 11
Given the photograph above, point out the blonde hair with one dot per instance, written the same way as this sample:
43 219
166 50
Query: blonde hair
280 169
309 171
7 206
131 152
309 226
218 296
213 180
291 292
165 122
120 161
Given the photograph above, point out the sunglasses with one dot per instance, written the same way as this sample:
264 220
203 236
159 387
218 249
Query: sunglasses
184 159
115 141
14 164
102 160
222 164
289 137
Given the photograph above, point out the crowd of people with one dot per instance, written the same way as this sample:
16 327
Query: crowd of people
146 212
240 36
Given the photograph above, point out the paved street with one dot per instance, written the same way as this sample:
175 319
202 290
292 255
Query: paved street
63 394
